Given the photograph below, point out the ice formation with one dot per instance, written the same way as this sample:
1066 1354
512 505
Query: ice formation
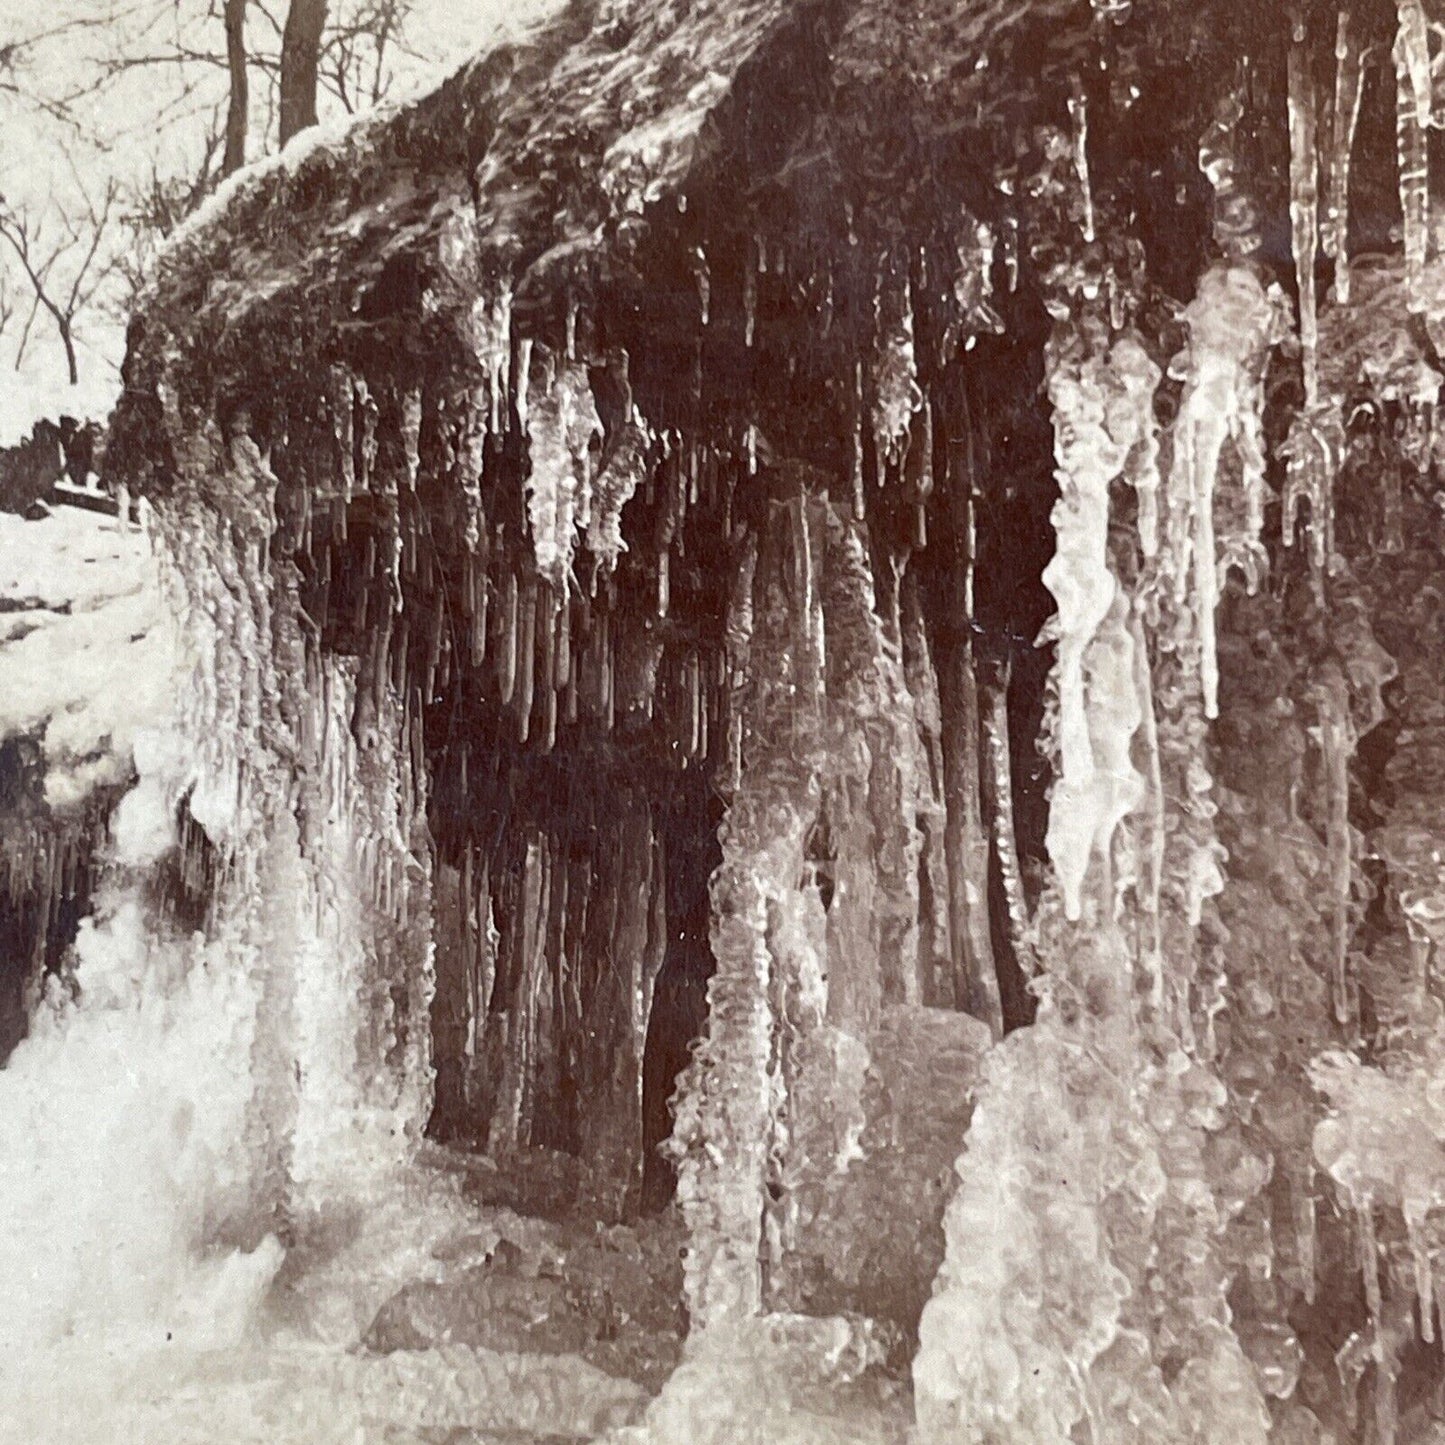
1348 96
1231 326
1412 120
561 425
612 707
1097 784
85 654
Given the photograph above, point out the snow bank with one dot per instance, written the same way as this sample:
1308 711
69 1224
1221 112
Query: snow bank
86 661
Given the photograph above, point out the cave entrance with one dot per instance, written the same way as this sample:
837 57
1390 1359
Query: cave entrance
572 956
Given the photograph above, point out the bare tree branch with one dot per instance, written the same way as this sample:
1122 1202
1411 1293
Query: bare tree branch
62 301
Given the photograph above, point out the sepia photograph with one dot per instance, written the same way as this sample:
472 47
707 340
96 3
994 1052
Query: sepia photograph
722 722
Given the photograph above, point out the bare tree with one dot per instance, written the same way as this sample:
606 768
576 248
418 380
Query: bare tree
63 274
238 108
358 48
300 65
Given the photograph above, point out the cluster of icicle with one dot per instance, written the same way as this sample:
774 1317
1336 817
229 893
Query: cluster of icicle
1383 1140
1092 1129
241 1079
552 649
1038 1329
1102 399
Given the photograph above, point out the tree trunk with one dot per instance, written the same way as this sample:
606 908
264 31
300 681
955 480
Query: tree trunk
67 340
300 61
236 113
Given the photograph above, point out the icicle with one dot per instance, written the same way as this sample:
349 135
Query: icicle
616 485
703 276
411 435
695 705
474 453
1000 774
1312 453
1096 783
896 393
491 325
859 501
1304 206
1381 1349
750 304
343 404
1151 885
1231 324
367 404
1140 377
1236 219
507 664
1414 156
1079 115
561 426
738 642
562 647
1011 254
1349 91
526 658
524 379
983 234
1337 745
1412 57
1423 1269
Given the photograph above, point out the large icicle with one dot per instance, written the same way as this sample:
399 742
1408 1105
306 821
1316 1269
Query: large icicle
896 393
1349 91
562 423
1304 207
1231 325
1096 784
1412 116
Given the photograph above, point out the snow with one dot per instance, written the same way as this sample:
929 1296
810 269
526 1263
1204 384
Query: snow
27 396
86 658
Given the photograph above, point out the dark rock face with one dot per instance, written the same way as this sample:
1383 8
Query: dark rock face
28 471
